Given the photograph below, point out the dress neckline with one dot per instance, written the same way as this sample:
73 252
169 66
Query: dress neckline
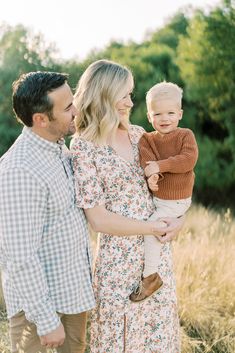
131 162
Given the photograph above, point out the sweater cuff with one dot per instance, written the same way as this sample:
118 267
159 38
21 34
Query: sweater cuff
164 166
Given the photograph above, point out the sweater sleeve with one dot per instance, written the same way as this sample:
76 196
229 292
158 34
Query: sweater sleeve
185 160
146 152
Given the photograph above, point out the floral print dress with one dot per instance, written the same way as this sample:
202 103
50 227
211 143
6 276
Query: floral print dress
117 325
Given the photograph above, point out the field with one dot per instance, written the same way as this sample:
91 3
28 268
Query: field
205 261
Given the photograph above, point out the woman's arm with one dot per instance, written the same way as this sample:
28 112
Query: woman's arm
102 220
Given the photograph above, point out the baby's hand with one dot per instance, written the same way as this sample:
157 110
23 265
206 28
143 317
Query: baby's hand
152 182
151 168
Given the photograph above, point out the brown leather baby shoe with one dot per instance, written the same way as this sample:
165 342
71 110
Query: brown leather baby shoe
147 287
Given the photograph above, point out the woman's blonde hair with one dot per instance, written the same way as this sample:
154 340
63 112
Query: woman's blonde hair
99 89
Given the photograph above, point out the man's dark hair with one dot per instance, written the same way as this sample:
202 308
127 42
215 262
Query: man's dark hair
30 94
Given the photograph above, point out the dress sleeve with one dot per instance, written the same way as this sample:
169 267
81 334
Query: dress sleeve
136 132
88 185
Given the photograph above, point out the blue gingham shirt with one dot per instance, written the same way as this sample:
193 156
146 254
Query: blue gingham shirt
44 248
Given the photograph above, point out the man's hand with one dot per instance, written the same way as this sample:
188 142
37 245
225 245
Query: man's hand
152 182
152 168
54 339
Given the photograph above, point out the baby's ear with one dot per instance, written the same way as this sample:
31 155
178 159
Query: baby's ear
149 117
181 114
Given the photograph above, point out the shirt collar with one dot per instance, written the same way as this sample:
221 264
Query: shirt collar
42 143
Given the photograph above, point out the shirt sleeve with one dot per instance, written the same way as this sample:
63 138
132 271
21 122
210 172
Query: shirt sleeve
185 160
22 217
146 152
88 184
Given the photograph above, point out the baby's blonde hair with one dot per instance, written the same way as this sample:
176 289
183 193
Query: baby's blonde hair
164 90
99 89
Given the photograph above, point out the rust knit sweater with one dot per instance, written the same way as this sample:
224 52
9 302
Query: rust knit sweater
176 154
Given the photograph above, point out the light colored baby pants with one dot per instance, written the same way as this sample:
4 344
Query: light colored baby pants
164 208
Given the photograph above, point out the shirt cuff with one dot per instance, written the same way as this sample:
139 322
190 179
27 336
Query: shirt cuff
46 319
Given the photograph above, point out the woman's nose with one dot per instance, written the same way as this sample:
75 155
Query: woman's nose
75 111
129 102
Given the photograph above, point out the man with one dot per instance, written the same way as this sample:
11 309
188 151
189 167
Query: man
44 250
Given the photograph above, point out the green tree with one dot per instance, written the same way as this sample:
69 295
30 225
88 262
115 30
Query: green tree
20 52
194 49
151 61
174 28
207 64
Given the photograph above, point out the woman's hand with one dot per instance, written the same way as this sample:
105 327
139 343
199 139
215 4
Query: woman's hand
173 226
152 182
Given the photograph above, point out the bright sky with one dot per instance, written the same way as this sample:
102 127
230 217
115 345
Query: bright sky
76 26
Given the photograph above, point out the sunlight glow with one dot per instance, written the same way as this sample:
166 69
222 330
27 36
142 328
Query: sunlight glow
77 27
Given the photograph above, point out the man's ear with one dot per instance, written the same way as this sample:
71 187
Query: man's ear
40 120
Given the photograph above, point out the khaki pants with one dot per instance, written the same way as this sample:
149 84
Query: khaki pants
24 338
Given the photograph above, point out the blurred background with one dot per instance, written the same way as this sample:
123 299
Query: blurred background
194 47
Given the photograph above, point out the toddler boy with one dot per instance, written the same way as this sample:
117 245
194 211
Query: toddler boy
168 156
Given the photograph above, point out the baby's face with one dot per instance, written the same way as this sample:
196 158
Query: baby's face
164 115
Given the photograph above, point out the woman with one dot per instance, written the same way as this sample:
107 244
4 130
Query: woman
111 187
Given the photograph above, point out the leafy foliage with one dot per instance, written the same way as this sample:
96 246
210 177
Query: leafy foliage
20 52
194 49
207 65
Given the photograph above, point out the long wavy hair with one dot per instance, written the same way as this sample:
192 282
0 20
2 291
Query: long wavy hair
99 89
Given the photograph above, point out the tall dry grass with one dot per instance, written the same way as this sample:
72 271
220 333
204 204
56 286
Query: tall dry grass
205 266
205 263
4 339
